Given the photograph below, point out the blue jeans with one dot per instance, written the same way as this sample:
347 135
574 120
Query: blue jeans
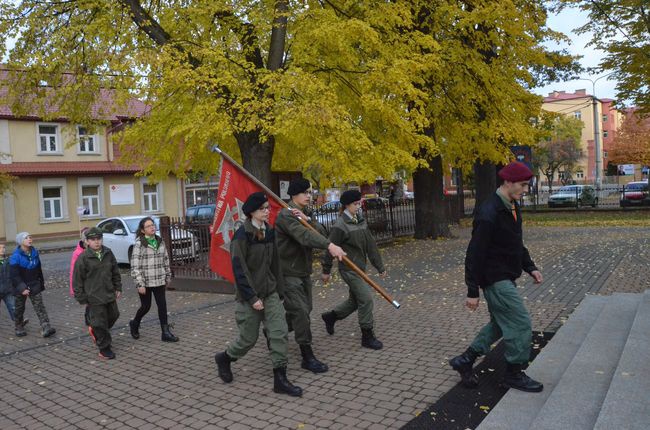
10 302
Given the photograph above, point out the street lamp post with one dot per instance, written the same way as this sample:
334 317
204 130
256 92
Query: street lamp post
598 158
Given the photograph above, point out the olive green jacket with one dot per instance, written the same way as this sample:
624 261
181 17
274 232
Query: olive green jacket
356 241
95 280
255 264
295 243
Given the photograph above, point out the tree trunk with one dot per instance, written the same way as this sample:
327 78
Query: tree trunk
430 209
256 156
485 180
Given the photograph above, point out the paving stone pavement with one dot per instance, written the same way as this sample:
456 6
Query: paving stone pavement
59 383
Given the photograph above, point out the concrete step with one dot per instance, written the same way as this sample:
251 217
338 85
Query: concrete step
627 404
576 400
518 409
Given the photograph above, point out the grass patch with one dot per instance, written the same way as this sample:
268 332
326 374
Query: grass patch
588 219
636 218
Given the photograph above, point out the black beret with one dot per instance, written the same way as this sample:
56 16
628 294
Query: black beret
94 233
298 186
254 202
350 196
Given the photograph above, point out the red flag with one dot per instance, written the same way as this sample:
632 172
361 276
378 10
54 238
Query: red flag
234 189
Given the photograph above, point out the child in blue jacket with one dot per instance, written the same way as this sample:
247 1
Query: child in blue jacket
28 281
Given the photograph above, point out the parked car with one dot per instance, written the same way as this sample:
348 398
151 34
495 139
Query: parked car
375 211
119 235
203 214
574 195
199 218
635 194
328 213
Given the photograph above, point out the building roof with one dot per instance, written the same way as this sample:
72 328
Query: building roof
57 168
102 109
563 95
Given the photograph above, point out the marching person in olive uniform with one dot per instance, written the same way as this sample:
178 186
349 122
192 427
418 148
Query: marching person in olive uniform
295 243
350 231
97 284
495 258
258 288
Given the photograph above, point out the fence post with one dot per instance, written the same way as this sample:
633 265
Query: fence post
392 220
165 233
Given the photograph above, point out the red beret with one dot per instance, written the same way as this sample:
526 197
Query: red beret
515 172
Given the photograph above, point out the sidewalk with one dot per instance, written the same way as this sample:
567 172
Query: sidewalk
58 383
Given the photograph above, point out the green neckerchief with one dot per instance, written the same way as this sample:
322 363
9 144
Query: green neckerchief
152 241
2 260
98 254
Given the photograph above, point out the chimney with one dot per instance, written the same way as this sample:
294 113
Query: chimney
581 92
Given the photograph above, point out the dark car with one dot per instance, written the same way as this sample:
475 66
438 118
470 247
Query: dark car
375 211
203 214
635 194
198 219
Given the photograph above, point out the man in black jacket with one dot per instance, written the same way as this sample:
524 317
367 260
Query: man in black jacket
496 257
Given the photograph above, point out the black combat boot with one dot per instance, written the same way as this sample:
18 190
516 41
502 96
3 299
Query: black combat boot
223 361
282 385
310 362
167 335
517 379
463 364
369 340
20 328
135 329
330 319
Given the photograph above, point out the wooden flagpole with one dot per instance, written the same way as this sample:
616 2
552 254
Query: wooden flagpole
304 222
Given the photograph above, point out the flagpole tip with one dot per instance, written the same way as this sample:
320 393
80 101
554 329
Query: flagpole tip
215 148
396 304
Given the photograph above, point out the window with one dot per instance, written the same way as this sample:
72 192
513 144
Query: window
52 203
604 118
577 114
52 200
150 197
87 142
580 175
604 154
605 134
48 139
90 199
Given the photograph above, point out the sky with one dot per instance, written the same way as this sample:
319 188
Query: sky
566 22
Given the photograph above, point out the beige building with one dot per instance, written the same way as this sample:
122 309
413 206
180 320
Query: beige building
67 178
580 105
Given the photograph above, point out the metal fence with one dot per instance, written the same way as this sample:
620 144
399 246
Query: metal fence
391 219
386 220
577 197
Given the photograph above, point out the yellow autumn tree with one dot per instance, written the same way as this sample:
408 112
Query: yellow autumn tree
479 101
320 85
